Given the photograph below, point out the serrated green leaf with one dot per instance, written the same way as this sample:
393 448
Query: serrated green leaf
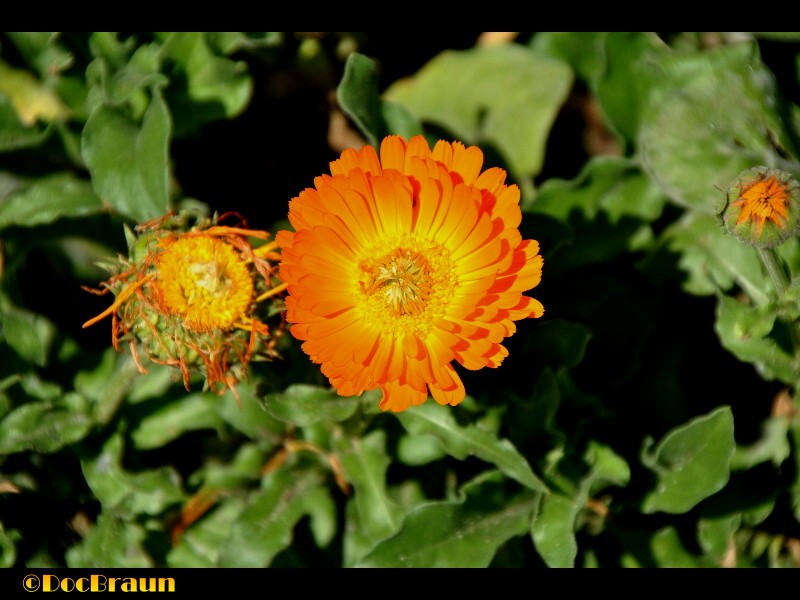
773 446
204 87
691 462
45 426
504 96
556 519
266 526
304 405
111 543
460 442
186 413
144 492
128 162
713 260
458 534
200 545
364 463
743 329
716 111
49 198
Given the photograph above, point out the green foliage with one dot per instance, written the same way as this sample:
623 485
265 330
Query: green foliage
648 419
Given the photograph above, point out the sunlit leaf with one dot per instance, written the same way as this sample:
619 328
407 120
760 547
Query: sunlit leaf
30 335
266 525
128 162
504 96
170 421
45 427
715 534
305 405
773 446
31 100
56 196
460 442
364 463
691 462
143 492
200 545
457 534
753 335
555 521
111 543
716 111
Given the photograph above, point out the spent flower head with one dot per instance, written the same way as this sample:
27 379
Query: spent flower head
195 295
403 262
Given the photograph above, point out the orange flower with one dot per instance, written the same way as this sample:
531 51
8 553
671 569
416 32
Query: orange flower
192 296
401 264
762 207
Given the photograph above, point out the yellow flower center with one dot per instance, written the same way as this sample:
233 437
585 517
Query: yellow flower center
204 281
405 284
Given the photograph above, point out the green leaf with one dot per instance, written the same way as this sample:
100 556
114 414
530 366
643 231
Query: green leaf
8 547
364 463
304 405
716 111
249 414
48 199
108 384
773 446
584 52
357 95
458 534
420 449
754 335
13 134
145 492
204 87
609 206
558 344
691 462
710 259
715 534
460 442
186 413
266 526
669 552
557 516
504 96
45 427
32 100
42 51
111 543
129 163
30 335
202 542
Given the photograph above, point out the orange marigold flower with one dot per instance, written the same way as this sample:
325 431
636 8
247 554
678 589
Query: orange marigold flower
191 296
402 263
762 207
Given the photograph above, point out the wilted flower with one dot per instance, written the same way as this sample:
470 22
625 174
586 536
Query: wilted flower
193 297
762 207
401 264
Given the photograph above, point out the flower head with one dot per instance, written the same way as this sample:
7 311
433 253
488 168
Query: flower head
762 207
403 262
191 297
